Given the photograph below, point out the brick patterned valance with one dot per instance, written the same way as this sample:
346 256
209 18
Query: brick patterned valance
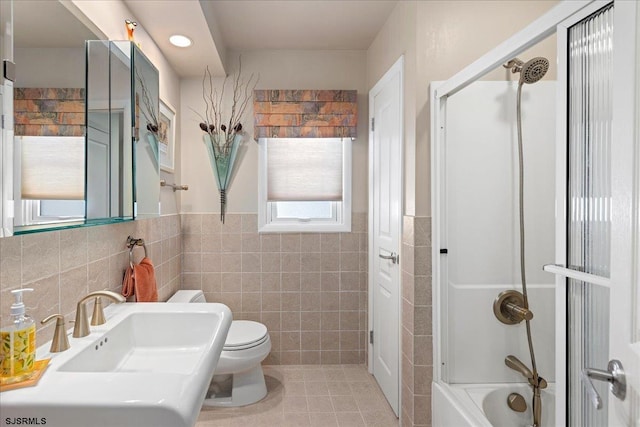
305 113
49 111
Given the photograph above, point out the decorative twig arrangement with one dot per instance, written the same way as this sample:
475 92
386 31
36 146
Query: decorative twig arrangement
222 139
149 112
212 119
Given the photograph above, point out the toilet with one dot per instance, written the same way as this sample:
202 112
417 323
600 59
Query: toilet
238 379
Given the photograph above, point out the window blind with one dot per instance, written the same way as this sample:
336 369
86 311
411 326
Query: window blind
52 168
305 113
304 169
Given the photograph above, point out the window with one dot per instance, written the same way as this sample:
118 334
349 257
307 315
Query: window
50 182
47 211
304 185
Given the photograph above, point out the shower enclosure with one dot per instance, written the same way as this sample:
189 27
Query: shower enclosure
479 253
581 204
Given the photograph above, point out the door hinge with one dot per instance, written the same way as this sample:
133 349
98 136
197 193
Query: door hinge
370 337
373 124
444 251
9 70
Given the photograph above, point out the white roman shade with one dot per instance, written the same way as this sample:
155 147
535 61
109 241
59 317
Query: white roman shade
52 167
304 169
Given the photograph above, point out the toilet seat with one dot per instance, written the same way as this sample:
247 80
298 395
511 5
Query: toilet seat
245 334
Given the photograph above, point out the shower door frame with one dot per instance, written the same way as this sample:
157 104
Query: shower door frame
623 342
534 33
562 125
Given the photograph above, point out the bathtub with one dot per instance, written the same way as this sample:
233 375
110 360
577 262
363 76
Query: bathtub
485 405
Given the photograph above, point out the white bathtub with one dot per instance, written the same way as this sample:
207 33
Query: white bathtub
485 405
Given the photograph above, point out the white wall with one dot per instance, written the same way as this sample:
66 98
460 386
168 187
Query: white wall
482 223
277 70
451 35
438 39
49 67
396 38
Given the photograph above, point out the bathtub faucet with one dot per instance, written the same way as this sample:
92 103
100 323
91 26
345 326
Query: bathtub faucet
517 365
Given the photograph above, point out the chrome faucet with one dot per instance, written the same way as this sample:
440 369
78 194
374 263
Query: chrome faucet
81 326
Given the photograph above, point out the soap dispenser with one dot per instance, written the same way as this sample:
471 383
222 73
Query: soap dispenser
17 342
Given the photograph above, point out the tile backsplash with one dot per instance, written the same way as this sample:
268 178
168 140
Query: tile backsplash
310 290
63 266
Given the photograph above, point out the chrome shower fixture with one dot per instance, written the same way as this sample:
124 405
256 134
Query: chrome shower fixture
530 71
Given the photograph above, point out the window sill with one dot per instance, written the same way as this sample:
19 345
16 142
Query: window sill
303 227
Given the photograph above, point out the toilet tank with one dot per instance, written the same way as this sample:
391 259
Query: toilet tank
187 296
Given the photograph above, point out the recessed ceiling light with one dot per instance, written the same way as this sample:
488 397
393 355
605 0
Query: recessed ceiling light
180 40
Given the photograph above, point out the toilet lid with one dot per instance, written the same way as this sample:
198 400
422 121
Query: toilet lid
243 333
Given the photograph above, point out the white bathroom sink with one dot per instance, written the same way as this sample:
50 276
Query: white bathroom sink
149 365
148 342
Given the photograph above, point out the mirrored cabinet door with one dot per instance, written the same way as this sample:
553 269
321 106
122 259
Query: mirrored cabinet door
109 158
146 121
80 128
123 173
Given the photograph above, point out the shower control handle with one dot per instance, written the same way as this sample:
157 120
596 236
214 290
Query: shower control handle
614 375
509 308
393 257
519 312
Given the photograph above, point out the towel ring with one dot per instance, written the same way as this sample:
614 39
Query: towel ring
131 244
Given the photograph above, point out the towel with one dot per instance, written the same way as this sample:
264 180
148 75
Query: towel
141 282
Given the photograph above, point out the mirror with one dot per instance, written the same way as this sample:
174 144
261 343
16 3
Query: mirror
121 128
146 84
109 179
49 107
49 115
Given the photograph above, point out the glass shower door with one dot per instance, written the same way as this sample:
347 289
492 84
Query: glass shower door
602 196
590 72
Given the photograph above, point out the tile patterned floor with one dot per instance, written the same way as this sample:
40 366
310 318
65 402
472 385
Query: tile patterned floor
310 395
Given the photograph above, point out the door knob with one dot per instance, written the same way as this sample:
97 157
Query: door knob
614 375
393 257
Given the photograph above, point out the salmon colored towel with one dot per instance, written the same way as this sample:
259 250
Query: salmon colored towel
141 282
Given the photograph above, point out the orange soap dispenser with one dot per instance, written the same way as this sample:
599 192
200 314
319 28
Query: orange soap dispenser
17 343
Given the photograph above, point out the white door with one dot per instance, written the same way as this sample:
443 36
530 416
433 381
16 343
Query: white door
385 219
624 344
602 218
98 169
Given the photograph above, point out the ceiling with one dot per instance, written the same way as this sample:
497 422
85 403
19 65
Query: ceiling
253 25
217 26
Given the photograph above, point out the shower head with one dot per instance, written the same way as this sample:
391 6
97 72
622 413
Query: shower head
534 69
530 71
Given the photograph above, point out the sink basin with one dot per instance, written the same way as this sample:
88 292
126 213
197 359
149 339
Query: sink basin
149 365
148 342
